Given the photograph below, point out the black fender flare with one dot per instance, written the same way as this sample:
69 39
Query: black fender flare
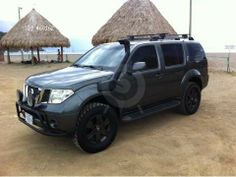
87 93
193 73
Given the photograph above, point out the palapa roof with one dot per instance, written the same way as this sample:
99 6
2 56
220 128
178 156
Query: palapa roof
34 31
135 17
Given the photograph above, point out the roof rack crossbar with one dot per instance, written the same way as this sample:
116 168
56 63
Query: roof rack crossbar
158 36
145 36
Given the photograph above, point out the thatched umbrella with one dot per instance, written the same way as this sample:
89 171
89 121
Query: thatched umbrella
34 31
135 17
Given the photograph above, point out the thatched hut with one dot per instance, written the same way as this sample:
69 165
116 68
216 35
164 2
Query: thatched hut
33 32
135 17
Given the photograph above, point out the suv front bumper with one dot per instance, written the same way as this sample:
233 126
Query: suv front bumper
39 124
46 119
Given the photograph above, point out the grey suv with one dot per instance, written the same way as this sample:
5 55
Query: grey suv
113 82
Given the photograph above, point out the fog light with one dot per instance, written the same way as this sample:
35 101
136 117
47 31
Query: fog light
53 124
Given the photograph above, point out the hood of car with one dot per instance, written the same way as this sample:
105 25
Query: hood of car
70 77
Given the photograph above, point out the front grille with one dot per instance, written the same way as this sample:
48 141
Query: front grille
34 95
45 96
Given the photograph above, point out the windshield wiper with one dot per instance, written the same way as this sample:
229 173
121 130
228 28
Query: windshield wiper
88 66
76 65
93 67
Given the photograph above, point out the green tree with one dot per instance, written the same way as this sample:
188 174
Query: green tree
2 34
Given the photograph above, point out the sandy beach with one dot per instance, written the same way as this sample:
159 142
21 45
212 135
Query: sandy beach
162 144
217 61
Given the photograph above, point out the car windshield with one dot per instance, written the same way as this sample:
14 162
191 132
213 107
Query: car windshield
108 56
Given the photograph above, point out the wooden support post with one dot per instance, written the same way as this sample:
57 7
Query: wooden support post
32 56
38 55
8 56
228 63
22 55
61 54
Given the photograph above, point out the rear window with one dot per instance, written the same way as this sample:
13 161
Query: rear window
173 54
196 52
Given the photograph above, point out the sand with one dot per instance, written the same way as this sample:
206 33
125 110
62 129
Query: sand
162 144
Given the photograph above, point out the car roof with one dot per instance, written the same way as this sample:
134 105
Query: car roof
136 43
142 42
165 41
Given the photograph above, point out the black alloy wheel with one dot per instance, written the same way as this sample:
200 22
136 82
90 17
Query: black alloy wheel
191 99
96 127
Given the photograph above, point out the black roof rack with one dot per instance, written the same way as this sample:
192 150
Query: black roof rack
152 37
159 36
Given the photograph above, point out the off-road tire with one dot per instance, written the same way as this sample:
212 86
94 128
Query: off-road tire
185 106
88 116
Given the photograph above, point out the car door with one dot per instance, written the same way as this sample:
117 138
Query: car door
143 84
174 63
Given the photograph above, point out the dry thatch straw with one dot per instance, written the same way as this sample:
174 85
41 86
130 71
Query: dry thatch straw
34 31
135 17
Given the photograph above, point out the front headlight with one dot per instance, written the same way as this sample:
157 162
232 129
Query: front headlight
58 96
24 92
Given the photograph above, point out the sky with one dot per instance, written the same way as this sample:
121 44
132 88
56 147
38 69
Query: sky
214 21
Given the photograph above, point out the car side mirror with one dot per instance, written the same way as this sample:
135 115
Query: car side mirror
139 66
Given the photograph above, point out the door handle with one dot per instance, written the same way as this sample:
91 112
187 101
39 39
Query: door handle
158 75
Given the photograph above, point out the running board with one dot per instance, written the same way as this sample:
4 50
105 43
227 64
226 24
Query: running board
155 109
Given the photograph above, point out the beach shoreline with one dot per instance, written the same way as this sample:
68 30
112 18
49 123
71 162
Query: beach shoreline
217 61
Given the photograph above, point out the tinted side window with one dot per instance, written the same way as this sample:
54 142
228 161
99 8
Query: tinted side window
173 54
146 54
195 51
